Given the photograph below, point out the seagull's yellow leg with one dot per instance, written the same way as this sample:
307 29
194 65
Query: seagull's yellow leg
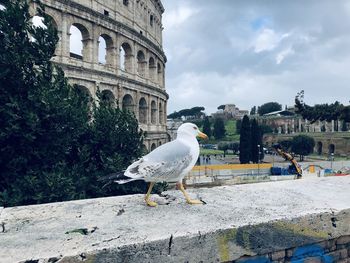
188 199
149 202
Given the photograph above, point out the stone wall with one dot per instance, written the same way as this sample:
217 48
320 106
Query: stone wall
133 71
305 220
325 142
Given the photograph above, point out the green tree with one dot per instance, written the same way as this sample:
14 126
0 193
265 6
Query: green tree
286 144
50 149
207 126
253 110
224 146
221 107
245 141
255 141
234 146
238 126
269 107
302 145
327 112
219 129
344 126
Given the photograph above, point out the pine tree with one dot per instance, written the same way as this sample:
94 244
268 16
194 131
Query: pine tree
255 141
207 127
245 141
219 129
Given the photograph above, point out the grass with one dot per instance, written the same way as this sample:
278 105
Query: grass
212 152
231 134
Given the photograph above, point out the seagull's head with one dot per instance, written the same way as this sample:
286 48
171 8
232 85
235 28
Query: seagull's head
190 129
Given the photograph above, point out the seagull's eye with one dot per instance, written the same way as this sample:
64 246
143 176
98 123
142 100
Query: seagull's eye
195 128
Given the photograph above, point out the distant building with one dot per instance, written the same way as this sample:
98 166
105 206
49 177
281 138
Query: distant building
172 126
230 111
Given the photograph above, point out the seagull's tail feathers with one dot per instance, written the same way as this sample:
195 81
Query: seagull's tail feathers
124 181
117 177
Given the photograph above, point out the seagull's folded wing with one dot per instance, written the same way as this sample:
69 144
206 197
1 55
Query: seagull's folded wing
165 163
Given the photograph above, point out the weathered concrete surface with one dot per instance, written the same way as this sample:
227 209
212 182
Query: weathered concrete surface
236 221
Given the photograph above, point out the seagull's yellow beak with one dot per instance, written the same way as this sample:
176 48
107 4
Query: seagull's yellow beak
202 135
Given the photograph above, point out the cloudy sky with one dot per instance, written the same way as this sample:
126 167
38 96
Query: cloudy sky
252 52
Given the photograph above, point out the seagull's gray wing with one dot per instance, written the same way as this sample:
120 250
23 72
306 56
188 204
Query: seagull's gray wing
165 163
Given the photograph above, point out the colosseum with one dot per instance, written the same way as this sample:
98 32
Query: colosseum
121 54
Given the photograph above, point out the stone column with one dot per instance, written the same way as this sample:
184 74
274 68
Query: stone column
88 50
65 37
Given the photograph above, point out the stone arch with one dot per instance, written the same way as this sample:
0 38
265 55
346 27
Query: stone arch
319 148
151 68
141 63
153 112
105 50
143 109
128 103
331 148
108 96
153 146
160 113
79 42
126 57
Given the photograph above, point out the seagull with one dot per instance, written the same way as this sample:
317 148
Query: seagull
169 162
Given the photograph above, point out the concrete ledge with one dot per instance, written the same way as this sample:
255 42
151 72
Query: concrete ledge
272 221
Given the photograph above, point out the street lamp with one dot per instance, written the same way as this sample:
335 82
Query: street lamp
332 159
258 159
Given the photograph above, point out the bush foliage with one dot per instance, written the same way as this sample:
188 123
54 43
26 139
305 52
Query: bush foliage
54 143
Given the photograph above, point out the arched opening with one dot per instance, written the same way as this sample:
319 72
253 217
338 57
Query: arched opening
102 53
78 42
128 103
159 143
151 68
126 57
108 97
143 110
153 112
331 149
160 113
319 148
105 46
153 146
159 73
141 63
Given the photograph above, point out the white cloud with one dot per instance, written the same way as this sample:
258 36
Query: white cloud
175 18
267 40
283 54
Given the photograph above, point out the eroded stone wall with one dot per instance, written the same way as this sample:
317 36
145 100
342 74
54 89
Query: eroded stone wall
133 71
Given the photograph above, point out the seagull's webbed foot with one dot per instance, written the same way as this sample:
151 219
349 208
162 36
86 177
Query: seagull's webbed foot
194 202
148 201
151 203
188 199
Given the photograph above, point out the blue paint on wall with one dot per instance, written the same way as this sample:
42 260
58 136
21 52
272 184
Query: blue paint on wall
314 251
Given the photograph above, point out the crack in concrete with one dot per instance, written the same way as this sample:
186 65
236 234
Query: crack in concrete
170 243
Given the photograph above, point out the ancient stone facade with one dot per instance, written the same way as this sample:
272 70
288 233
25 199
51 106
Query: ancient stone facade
132 73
